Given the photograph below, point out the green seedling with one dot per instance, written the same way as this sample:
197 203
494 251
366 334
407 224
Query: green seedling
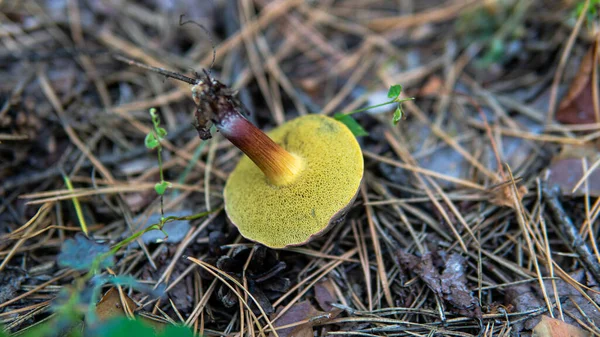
393 93
153 142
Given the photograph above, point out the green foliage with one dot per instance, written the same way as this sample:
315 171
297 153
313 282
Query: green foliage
591 13
494 26
352 124
123 327
157 134
161 187
393 93
398 115
152 141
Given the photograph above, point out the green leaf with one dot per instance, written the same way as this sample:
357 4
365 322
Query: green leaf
161 187
151 142
155 118
398 115
394 91
123 327
162 133
176 331
352 124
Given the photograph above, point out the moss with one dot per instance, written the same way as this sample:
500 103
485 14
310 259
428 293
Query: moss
279 216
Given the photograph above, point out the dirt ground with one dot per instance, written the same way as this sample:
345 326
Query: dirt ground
477 214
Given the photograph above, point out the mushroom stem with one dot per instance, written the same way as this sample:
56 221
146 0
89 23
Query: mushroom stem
278 165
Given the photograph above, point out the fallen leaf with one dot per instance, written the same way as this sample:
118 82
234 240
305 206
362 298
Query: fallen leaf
110 305
450 284
577 106
325 294
550 327
301 312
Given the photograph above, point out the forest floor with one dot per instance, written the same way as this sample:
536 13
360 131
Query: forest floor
477 214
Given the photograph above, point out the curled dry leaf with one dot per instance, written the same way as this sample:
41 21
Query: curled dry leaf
577 106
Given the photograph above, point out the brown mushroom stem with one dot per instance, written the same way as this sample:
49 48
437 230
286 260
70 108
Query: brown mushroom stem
278 165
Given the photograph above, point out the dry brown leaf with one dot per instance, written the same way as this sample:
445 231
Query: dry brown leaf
550 327
306 316
302 311
325 294
577 106
444 275
110 305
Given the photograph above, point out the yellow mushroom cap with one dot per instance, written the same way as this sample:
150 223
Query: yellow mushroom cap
289 215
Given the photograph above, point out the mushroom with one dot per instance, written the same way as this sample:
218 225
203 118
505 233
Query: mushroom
291 185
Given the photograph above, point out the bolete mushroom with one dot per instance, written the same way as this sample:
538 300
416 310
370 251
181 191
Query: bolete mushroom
291 185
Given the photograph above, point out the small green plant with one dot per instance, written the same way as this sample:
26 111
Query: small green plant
393 93
591 13
77 302
153 141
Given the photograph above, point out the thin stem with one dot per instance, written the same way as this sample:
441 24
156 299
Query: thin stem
395 100
367 108
162 175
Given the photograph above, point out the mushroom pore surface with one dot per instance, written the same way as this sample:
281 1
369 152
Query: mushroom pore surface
280 216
